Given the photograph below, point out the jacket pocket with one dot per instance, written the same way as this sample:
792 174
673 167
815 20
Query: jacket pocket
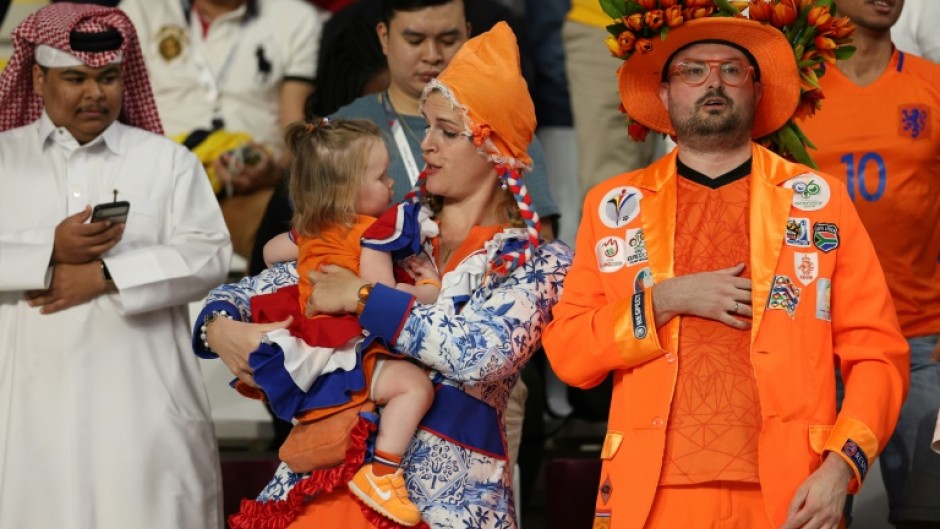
818 434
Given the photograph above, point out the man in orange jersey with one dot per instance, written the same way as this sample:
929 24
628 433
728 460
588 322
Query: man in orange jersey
889 159
696 282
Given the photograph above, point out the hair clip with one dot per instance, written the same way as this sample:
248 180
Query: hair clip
314 125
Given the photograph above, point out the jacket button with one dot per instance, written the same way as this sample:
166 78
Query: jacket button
658 422
670 357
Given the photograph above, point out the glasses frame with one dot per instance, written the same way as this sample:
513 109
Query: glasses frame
749 71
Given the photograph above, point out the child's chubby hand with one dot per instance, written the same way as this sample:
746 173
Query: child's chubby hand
420 267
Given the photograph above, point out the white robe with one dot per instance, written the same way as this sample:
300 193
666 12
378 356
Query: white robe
104 419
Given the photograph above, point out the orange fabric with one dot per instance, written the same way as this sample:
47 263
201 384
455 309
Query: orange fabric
892 174
734 506
593 334
713 426
333 510
337 245
508 121
474 241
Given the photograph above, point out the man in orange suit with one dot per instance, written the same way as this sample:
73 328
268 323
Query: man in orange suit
720 285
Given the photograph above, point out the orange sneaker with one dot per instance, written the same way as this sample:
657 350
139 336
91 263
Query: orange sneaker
386 494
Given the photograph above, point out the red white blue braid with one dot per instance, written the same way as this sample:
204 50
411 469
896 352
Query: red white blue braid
511 260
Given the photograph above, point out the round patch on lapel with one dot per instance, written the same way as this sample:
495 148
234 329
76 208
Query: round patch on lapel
620 206
172 40
810 192
611 254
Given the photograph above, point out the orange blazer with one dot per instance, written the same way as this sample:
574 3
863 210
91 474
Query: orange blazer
819 297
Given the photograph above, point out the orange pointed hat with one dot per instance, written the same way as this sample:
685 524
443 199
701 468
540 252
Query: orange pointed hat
485 80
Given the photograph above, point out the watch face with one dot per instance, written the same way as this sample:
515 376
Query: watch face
364 292
363 295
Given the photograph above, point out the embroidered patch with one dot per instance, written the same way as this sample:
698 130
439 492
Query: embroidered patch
798 232
825 236
858 457
914 122
601 520
171 41
810 192
643 279
636 247
639 315
611 254
806 266
620 206
824 299
606 490
784 295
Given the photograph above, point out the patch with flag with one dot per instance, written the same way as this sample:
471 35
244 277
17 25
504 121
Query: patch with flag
825 236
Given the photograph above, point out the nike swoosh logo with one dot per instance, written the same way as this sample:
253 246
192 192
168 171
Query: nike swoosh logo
384 495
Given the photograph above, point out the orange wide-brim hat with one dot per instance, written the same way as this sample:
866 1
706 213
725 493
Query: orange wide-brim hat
640 76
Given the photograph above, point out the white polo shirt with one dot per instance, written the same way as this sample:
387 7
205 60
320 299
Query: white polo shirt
234 71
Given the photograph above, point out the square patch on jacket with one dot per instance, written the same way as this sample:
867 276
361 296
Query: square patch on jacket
784 295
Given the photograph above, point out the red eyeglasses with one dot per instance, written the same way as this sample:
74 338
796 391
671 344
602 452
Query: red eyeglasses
694 72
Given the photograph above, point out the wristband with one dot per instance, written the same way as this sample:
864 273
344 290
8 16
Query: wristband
436 283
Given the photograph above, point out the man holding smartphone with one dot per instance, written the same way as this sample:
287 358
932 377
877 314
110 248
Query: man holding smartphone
104 422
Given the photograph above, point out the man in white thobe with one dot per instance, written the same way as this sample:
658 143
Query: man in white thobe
104 420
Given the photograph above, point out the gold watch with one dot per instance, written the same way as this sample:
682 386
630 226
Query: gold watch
364 292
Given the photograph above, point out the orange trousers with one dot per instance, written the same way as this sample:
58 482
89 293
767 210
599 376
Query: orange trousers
716 505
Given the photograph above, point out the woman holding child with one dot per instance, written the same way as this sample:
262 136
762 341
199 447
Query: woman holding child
499 284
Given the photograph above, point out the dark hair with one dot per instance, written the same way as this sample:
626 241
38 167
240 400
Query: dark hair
389 7
350 56
742 49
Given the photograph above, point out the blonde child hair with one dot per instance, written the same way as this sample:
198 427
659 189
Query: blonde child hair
329 157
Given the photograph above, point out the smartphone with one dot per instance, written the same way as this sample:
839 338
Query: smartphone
113 211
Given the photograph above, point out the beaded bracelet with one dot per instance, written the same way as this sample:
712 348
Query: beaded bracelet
436 283
209 318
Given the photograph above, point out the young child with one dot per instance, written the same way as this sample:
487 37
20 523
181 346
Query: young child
339 186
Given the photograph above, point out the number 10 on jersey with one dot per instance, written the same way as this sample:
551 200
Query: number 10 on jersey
858 173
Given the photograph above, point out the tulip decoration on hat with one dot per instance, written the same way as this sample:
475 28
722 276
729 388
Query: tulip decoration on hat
791 41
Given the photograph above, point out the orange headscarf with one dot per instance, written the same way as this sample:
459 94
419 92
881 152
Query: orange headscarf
485 80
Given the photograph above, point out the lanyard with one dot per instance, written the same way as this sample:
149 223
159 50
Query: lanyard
401 141
211 83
